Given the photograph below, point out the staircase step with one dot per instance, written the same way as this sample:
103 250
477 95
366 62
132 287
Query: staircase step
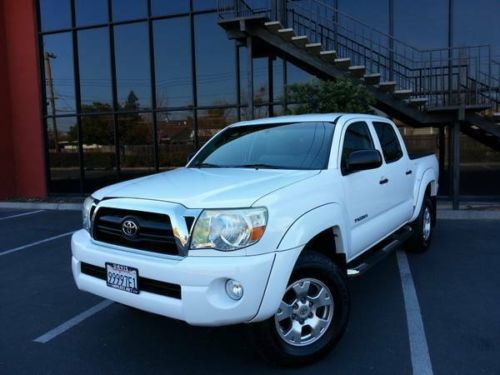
417 101
372 79
329 56
286 34
343 62
273 26
357 70
402 93
314 47
300 41
387 86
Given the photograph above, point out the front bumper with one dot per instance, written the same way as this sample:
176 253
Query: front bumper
202 280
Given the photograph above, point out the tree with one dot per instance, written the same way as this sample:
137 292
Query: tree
329 96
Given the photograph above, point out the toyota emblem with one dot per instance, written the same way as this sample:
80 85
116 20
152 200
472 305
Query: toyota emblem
130 228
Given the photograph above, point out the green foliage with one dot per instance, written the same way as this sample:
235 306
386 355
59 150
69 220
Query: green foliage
329 96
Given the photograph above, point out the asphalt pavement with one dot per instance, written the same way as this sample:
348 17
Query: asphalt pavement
457 285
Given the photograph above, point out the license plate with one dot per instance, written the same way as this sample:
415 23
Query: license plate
122 277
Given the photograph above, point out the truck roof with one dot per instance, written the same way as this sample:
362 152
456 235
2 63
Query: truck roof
323 117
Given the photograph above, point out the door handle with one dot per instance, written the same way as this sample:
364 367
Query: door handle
384 180
409 171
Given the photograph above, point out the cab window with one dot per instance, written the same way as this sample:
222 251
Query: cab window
389 141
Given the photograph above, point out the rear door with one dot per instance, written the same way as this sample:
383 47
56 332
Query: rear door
364 195
398 176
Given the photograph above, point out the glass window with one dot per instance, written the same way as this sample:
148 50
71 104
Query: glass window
137 155
173 63
95 84
357 137
373 13
99 161
64 160
422 24
215 65
479 168
59 77
55 14
476 23
210 121
132 66
389 141
270 146
129 9
163 7
91 12
175 138
204 4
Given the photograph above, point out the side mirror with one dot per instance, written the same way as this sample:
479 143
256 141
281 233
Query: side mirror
362 160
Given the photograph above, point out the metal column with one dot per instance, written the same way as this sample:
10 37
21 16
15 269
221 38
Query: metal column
251 109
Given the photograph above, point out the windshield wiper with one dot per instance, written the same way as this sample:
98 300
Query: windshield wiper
259 166
206 165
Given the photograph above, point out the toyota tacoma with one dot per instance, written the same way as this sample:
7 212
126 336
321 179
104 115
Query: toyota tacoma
264 225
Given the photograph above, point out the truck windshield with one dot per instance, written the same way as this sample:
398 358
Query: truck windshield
304 145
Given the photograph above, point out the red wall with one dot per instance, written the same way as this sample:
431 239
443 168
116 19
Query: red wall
22 164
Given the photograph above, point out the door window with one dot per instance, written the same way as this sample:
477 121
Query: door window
357 137
389 141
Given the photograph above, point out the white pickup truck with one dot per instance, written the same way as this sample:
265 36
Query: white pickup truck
264 225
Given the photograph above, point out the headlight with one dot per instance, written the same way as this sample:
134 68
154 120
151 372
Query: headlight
229 230
88 203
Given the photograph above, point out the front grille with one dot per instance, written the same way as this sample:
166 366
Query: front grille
154 233
146 285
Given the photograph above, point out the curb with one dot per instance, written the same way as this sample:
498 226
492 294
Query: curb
42 206
446 214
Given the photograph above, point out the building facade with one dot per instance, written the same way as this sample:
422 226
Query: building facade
100 91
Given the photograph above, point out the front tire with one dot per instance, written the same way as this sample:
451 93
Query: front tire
423 228
312 317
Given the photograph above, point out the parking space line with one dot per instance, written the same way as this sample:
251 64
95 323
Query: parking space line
35 243
420 358
19 215
46 337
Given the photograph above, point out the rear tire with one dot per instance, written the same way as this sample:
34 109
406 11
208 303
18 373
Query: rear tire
312 316
423 228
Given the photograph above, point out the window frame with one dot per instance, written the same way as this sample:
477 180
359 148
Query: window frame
342 141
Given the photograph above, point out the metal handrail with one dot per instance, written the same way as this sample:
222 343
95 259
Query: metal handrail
445 76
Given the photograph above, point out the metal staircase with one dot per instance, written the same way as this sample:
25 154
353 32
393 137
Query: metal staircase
420 87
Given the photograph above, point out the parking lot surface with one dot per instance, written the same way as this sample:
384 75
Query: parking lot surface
457 286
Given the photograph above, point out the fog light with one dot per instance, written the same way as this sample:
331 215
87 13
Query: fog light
234 289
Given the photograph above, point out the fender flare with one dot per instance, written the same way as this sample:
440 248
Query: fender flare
300 232
313 222
429 177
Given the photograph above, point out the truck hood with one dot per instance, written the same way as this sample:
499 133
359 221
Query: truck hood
207 187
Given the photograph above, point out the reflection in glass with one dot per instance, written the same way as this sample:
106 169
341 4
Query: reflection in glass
132 66
175 138
215 65
173 62
210 121
64 162
99 151
91 12
135 133
422 23
162 7
205 5
129 9
59 78
95 84
373 13
55 14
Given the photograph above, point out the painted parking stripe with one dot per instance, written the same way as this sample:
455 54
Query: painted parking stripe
16 249
19 215
420 358
46 337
